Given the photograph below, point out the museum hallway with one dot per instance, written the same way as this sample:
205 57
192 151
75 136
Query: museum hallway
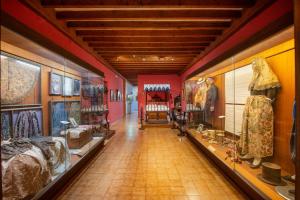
150 164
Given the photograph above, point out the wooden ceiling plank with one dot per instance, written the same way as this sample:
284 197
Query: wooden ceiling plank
149 39
139 24
152 3
148 44
148 14
195 48
153 28
148 33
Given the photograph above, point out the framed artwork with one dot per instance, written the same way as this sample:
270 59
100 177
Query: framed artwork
63 111
68 86
19 79
57 114
112 95
55 84
76 87
119 95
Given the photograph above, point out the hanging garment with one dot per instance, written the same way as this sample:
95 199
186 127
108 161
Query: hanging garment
200 97
256 139
27 125
188 92
263 76
211 97
5 126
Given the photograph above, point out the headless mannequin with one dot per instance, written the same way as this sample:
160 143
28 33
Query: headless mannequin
270 94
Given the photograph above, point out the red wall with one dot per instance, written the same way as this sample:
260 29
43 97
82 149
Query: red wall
40 25
172 79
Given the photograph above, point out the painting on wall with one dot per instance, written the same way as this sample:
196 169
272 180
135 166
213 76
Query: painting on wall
27 123
58 113
63 111
112 95
119 95
68 86
55 84
76 87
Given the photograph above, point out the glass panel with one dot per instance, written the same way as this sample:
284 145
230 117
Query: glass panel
53 113
251 125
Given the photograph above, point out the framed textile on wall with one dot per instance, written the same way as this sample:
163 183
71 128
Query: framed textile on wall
76 87
20 81
62 111
67 86
55 87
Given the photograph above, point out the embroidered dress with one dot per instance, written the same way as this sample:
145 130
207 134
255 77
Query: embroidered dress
200 97
256 138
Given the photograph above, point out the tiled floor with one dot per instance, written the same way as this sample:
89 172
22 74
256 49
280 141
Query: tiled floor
153 164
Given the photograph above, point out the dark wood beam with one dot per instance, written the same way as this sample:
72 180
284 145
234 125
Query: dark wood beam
148 14
148 39
147 44
147 66
110 55
152 3
146 63
141 24
190 48
149 33
147 52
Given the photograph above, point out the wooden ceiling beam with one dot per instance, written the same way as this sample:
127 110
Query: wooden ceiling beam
148 15
148 39
140 24
190 48
147 44
145 3
147 63
152 28
147 52
149 33
154 68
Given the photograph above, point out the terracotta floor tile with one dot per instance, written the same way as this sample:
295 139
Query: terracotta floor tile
153 164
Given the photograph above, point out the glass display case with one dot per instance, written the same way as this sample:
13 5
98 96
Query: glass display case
53 115
241 113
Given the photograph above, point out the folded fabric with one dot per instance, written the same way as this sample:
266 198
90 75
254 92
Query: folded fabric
44 143
15 147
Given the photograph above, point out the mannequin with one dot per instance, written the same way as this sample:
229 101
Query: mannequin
211 97
256 141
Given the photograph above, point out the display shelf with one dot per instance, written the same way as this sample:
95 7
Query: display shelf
242 170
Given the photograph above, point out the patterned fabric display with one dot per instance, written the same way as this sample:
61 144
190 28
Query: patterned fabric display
257 128
5 126
27 125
